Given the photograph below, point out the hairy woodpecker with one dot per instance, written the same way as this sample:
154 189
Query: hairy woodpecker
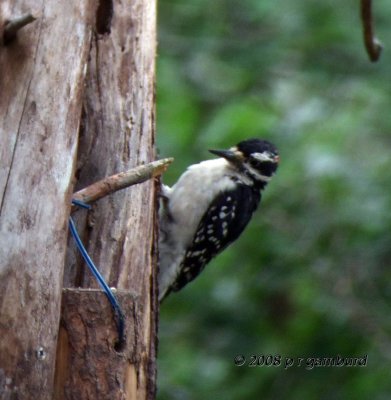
208 208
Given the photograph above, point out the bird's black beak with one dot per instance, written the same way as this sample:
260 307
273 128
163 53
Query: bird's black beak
234 156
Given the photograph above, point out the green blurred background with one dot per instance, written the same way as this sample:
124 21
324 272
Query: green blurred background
310 277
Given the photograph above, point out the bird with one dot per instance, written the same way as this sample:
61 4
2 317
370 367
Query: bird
208 208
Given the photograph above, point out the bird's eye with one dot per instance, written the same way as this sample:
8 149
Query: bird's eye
254 163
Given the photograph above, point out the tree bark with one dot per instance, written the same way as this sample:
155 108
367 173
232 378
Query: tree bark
41 75
86 365
43 93
117 133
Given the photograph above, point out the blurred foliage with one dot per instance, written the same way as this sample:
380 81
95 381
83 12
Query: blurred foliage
311 276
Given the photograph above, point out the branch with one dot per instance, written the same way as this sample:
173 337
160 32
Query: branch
122 180
372 44
13 26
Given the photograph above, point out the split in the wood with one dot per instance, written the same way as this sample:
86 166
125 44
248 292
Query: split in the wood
122 180
11 27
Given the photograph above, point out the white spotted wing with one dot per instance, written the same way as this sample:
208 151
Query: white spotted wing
222 224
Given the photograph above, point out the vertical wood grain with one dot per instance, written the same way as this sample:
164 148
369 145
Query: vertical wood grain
117 133
41 85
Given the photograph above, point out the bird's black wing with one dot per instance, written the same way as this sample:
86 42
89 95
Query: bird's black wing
222 224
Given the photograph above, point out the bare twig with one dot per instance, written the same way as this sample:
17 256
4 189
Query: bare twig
122 180
372 44
14 25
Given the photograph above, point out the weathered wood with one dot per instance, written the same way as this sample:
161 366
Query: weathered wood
41 83
117 133
85 350
122 180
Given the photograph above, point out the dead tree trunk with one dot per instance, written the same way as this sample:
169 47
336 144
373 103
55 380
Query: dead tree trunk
81 75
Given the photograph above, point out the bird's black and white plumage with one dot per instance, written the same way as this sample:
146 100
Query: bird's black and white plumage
209 207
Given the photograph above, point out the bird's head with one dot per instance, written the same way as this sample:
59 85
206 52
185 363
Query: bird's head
256 158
